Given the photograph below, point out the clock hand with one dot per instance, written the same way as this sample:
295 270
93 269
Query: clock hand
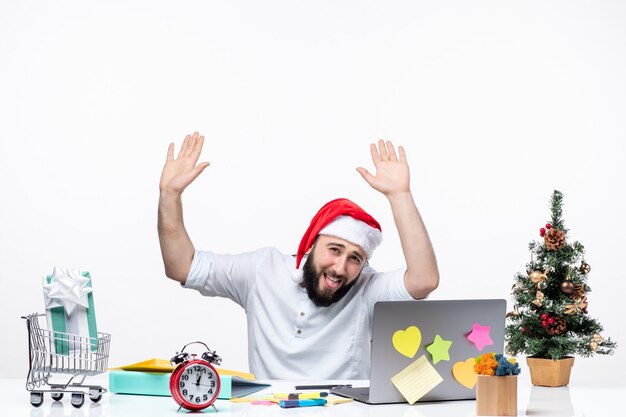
198 380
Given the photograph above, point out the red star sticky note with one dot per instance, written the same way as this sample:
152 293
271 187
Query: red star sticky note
480 336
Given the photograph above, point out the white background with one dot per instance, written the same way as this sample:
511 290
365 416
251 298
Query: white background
497 103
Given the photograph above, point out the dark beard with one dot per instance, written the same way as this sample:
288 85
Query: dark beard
311 280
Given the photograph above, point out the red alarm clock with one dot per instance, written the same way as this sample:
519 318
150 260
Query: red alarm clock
195 384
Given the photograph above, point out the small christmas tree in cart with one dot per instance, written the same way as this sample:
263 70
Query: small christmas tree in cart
550 320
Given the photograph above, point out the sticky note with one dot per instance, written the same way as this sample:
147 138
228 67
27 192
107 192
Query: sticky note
416 380
480 336
335 399
407 341
464 373
439 349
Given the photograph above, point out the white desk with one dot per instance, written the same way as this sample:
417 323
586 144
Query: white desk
532 401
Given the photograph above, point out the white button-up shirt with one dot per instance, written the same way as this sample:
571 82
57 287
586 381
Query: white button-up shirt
289 337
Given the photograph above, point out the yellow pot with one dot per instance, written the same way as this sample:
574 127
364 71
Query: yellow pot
549 372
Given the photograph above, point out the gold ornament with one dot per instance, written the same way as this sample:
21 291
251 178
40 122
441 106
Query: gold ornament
593 345
597 338
554 239
513 313
538 301
585 268
567 286
539 278
577 306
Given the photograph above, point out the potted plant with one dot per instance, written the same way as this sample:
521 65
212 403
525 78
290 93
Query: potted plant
550 321
496 385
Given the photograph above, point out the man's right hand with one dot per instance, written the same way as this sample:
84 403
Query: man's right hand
180 172
176 246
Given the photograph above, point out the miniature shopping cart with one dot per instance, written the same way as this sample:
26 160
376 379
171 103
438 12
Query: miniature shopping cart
52 352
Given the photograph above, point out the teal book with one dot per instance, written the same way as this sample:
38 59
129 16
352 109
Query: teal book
158 383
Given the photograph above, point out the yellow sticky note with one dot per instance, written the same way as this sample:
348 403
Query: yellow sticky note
335 399
407 341
416 380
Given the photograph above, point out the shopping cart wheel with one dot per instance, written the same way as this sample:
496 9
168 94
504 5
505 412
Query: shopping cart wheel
95 394
78 399
57 396
36 398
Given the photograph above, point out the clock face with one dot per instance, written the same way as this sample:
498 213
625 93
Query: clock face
198 384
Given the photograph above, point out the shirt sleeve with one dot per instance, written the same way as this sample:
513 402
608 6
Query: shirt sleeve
385 286
218 275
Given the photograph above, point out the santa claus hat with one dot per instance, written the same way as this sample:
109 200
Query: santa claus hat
343 219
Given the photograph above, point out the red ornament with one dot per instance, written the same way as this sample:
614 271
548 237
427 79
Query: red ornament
550 320
542 232
524 330
548 226
544 316
544 323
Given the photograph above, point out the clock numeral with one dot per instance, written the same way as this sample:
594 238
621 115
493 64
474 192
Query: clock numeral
184 392
211 391
197 399
205 397
212 384
185 377
182 385
189 371
191 397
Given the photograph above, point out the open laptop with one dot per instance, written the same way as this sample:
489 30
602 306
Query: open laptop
452 320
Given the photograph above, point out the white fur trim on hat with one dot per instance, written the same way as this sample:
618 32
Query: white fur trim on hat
354 231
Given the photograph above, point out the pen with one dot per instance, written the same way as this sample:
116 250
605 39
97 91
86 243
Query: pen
297 387
301 395
301 403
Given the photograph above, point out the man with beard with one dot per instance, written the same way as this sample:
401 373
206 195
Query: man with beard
312 322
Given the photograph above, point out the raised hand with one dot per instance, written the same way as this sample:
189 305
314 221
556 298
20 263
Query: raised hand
180 172
392 171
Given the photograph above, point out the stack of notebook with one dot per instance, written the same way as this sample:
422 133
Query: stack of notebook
152 377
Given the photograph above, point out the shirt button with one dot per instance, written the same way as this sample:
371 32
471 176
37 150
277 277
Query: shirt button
302 314
299 332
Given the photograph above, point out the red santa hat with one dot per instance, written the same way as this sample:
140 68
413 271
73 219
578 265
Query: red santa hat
343 219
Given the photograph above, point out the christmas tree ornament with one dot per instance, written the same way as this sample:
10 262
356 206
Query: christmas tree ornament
579 292
513 313
557 327
554 239
539 278
567 286
542 232
595 340
578 306
544 316
548 226
584 268
538 301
